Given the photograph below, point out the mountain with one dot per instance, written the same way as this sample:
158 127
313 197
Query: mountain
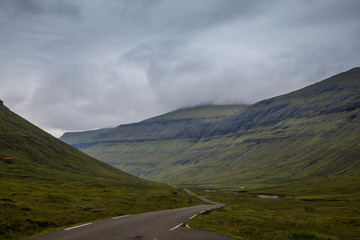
46 184
35 150
141 148
307 134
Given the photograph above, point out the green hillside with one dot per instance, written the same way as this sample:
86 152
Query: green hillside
46 184
151 147
310 133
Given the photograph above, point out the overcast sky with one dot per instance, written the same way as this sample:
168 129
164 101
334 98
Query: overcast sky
85 64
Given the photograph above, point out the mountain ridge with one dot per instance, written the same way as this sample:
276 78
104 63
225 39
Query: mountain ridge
165 119
287 130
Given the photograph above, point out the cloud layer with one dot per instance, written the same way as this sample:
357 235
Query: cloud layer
78 65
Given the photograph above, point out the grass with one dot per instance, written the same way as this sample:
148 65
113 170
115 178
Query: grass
50 185
35 198
294 149
236 186
203 112
30 208
251 218
300 214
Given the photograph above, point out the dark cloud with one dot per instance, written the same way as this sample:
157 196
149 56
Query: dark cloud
76 65
19 8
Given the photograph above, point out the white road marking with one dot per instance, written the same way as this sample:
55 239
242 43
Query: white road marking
120 217
193 216
203 211
176 227
77 226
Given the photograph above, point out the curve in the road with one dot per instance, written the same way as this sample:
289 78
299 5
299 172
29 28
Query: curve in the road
159 225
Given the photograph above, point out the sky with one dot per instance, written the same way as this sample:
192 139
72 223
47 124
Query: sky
75 65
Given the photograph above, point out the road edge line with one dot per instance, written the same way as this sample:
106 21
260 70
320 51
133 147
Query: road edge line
82 225
120 217
192 217
175 227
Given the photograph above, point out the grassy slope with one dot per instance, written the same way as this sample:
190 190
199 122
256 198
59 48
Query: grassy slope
322 147
51 185
325 208
206 112
310 133
327 149
143 146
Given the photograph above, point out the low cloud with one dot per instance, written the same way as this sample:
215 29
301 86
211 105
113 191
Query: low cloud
77 65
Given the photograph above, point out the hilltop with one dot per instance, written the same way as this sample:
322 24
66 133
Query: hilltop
182 123
46 184
311 133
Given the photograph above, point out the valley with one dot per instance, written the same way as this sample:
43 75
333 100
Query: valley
49 185
302 146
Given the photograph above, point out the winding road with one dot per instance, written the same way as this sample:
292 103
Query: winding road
159 225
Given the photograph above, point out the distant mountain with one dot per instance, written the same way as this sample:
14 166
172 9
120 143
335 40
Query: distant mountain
46 184
183 123
310 133
138 147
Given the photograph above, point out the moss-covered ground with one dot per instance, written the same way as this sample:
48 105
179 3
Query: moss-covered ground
324 209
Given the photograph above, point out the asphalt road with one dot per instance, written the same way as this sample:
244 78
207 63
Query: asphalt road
160 225
203 198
